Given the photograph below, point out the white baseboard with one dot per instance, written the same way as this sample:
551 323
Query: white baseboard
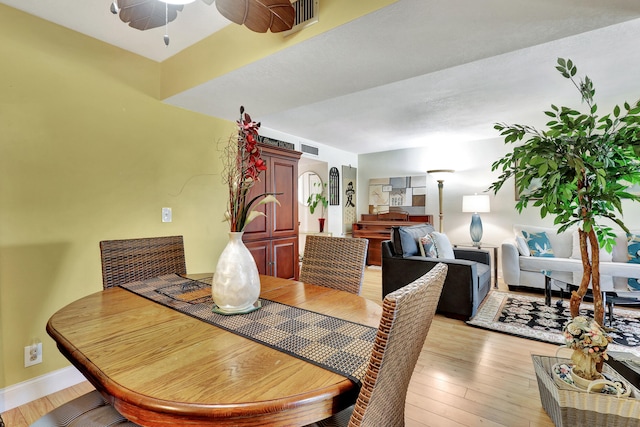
27 391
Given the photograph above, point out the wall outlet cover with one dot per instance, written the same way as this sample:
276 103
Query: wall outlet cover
32 354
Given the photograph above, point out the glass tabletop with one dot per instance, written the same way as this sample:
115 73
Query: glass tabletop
478 245
567 281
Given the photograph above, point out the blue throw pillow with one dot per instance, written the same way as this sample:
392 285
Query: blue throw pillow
633 250
539 244
408 238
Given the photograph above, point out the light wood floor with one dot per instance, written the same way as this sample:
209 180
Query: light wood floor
465 377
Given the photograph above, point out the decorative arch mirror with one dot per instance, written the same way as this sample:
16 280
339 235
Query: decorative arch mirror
308 182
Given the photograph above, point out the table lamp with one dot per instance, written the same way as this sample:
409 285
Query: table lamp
475 204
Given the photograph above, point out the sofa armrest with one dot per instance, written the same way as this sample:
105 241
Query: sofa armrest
477 255
462 292
398 272
510 263
388 250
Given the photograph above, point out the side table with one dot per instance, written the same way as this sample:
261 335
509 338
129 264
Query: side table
483 245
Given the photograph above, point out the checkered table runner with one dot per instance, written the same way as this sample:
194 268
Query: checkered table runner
335 344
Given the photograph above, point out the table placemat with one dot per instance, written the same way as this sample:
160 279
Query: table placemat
335 344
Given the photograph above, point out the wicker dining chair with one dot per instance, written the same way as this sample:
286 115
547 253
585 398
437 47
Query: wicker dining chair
334 262
123 261
129 260
406 318
88 410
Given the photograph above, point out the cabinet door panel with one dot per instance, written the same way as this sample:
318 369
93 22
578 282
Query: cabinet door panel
284 180
258 228
261 252
285 255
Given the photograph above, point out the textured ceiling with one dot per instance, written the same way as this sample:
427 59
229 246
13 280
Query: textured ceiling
94 18
414 73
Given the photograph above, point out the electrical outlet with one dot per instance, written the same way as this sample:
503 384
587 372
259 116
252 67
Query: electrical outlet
33 354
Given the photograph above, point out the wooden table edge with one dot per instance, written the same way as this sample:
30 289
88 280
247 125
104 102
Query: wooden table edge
151 411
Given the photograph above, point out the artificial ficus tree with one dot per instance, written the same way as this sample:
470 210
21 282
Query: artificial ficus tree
583 165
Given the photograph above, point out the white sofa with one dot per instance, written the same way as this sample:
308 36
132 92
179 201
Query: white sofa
521 270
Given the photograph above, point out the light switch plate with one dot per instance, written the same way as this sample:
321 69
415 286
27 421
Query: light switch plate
166 215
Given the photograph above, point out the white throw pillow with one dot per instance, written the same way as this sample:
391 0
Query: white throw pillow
443 245
523 248
427 246
575 251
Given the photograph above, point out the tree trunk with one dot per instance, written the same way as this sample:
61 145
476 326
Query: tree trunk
590 273
598 307
576 296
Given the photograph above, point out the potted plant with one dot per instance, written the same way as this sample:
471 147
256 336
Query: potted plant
318 198
583 165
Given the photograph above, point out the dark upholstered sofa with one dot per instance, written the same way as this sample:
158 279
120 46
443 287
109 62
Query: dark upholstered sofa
468 279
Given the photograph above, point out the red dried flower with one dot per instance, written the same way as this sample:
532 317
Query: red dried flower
242 164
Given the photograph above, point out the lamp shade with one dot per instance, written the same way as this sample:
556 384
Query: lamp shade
476 203
440 174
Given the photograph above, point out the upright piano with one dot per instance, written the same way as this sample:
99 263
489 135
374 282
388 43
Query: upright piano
377 227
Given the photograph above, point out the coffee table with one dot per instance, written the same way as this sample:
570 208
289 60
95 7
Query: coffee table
609 298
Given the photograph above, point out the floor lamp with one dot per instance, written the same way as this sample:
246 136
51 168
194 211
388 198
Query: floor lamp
439 175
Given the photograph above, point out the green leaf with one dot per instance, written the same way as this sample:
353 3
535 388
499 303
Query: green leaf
578 166
543 169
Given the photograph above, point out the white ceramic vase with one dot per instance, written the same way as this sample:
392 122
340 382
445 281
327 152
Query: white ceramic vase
236 282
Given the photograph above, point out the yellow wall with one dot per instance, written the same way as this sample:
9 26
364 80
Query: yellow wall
87 153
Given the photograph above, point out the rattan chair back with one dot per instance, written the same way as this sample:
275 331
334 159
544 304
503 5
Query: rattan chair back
406 318
129 260
334 262
123 261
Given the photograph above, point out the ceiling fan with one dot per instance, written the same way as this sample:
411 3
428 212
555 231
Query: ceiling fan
257 15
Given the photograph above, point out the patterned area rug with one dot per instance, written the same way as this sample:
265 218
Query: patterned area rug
528 317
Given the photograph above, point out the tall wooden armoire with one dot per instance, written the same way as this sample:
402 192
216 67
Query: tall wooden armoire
273 239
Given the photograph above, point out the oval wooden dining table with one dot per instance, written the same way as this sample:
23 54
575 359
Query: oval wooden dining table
160 367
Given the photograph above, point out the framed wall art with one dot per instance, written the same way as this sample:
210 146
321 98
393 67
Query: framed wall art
334 186
349 193
406 193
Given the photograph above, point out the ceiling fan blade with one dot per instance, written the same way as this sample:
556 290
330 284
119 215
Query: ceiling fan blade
147 14
209 2
259 15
